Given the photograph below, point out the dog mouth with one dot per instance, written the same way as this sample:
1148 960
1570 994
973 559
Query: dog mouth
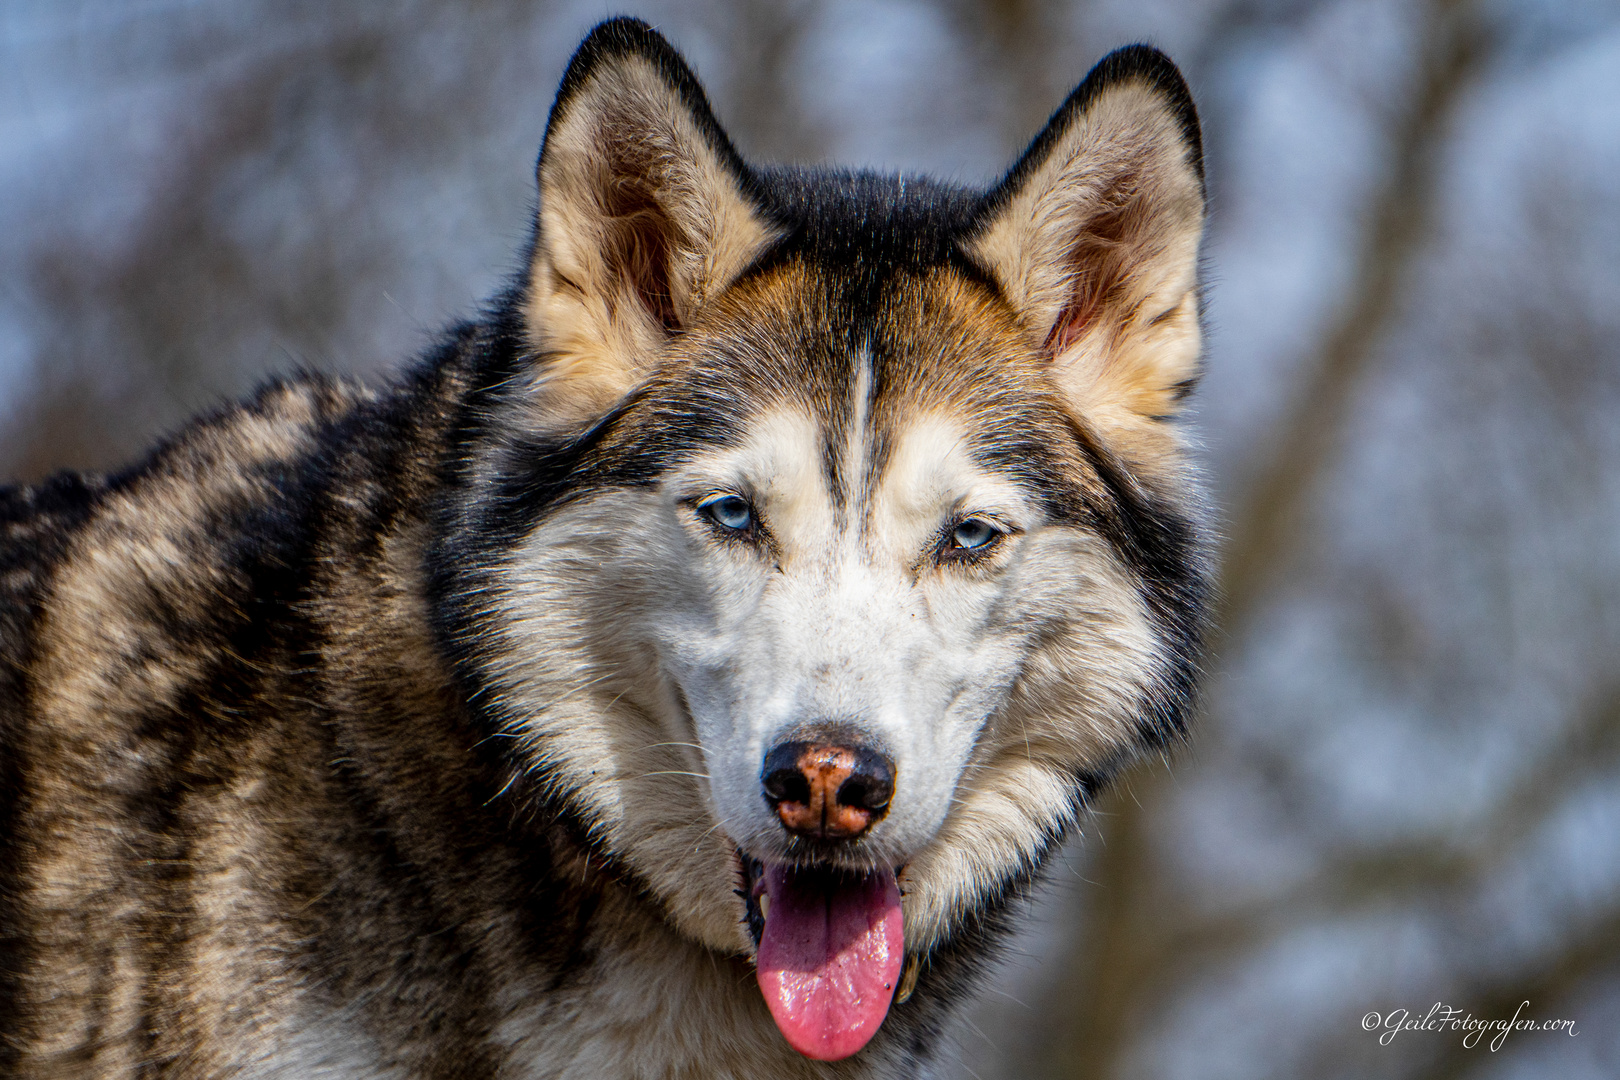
830 948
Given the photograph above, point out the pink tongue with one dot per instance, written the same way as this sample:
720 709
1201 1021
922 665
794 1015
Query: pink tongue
829 957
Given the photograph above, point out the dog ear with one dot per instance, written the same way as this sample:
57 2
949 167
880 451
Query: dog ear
646 213
1093 238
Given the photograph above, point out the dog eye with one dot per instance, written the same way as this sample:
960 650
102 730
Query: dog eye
729 511
974 534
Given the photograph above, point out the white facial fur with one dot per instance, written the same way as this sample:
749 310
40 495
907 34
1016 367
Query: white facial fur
848 620
652 663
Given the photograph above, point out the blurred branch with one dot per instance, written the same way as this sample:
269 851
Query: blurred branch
762 105
1549 985
139 329
1025 53
1241 19
1101 983
1265 528
1552 980
1427 866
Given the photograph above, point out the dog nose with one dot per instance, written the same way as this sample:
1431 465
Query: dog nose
826 791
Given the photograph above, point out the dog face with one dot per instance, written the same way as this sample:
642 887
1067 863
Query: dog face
836 530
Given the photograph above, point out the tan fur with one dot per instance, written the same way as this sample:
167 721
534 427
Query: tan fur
136 561
628 178
1098 252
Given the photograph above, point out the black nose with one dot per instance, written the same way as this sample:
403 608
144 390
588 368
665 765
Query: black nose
827 791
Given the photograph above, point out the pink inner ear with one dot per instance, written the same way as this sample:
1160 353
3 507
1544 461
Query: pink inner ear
1099 266
1071 323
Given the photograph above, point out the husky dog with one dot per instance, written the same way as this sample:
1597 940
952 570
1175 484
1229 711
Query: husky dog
681 672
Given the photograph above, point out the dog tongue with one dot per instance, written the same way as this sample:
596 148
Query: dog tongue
829 957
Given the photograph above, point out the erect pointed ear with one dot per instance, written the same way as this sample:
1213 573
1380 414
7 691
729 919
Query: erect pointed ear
1093 237
646 213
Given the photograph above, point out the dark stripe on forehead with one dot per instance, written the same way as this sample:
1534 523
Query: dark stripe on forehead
851 435
832 412
833 466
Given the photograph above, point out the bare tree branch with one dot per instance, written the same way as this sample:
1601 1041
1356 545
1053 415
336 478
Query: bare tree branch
1553 980
1420 866
1265 528
1102 986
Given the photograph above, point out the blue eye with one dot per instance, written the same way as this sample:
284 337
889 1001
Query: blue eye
730 511
973 534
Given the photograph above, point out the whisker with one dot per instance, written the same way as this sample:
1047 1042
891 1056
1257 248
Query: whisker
549 707
706 834
510 780
968 1068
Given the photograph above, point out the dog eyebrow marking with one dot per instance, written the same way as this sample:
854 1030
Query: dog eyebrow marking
857 443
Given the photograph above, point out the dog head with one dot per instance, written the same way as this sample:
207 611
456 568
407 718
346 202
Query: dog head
836 529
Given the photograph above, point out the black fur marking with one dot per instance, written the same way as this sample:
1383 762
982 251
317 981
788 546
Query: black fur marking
1167 554
186 751
869 225
625 36
35 526
1142 62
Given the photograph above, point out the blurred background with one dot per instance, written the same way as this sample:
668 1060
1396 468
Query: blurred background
1404 787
